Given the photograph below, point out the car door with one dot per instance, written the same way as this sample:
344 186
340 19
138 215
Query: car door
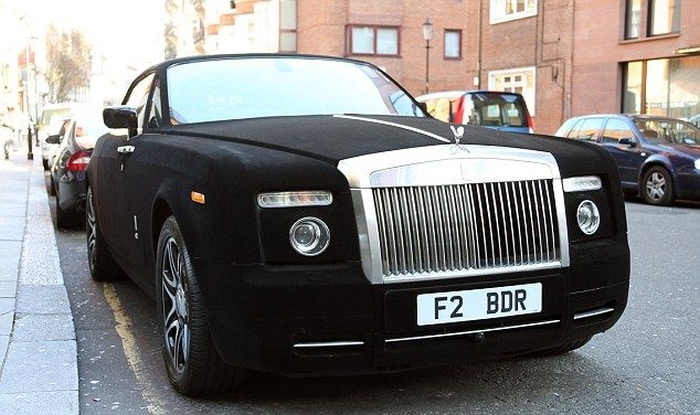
618 138
120 220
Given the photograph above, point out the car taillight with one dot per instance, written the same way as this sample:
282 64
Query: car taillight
530 123
78 161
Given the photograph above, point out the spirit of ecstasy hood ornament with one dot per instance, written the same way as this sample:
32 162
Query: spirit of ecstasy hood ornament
458 132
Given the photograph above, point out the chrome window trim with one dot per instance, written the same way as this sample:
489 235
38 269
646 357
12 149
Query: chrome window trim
445 165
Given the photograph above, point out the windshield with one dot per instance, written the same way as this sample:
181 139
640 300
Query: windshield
265 87
494 109
668 131
55 116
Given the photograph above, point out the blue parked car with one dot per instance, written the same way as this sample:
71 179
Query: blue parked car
658 157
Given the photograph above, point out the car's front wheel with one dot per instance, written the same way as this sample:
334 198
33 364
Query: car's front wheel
193 364
657 186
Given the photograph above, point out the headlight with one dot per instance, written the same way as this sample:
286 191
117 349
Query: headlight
309 236
697 164
588 217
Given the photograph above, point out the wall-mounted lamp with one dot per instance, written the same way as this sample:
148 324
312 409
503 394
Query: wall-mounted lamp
688 50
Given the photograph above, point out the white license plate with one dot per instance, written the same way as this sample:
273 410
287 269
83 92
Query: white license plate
479 304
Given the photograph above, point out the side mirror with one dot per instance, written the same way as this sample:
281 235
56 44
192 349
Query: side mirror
53 139
121 117
627 142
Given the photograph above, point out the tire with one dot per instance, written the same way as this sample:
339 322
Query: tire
192 362
563 349
102 265
65 220
657 186
52 186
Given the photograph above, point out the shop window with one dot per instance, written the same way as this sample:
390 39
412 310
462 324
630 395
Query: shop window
506 10
667 87
373 40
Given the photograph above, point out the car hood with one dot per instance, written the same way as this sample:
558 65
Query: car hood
334 138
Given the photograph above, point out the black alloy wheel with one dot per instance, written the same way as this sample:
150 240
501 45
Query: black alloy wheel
102 265
192 362
657 186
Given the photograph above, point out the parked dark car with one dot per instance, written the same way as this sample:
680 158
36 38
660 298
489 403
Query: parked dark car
74 148
302 215
658 157
500 110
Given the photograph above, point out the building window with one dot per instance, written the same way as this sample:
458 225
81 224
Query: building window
632 13
288 26
453 44
520 80
373 40
664 17
668 87
506 10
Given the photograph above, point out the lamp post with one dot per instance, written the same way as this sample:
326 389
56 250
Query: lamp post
25 84
427 36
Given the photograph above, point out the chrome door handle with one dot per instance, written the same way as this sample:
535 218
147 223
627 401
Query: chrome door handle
126 150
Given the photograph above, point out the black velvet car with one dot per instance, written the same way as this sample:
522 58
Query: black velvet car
302 215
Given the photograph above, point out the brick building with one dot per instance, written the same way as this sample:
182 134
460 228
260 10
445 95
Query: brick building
567 57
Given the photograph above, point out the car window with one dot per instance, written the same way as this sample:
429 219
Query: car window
494 110
213 90
615 130
589 129
440 108
668 131
138 97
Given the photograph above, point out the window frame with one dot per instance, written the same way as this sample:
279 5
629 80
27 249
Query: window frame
288 32
529 94
498 12
675 23
632 28
458 32
375 40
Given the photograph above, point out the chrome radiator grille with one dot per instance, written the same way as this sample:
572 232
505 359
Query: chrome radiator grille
480 226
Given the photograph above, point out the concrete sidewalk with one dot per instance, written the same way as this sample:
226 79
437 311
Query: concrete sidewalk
38 352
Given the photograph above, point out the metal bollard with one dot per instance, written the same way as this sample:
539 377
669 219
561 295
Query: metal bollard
30 155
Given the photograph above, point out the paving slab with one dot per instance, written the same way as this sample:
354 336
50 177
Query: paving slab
40 403
40 367
43 299
35 327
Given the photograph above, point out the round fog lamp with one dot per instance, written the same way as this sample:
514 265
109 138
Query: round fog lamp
309 236
588 217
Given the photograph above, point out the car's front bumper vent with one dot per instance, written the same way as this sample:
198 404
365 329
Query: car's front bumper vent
479 226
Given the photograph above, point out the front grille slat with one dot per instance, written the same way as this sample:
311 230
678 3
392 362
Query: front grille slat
426 230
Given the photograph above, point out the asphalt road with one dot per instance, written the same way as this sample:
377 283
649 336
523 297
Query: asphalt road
647 364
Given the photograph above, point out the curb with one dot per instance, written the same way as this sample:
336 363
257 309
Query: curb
40 370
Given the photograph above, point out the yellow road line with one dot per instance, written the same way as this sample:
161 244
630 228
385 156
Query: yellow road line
131 351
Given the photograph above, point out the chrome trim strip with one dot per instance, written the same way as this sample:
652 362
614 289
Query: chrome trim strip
593 313
393 124
464 333
328 344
